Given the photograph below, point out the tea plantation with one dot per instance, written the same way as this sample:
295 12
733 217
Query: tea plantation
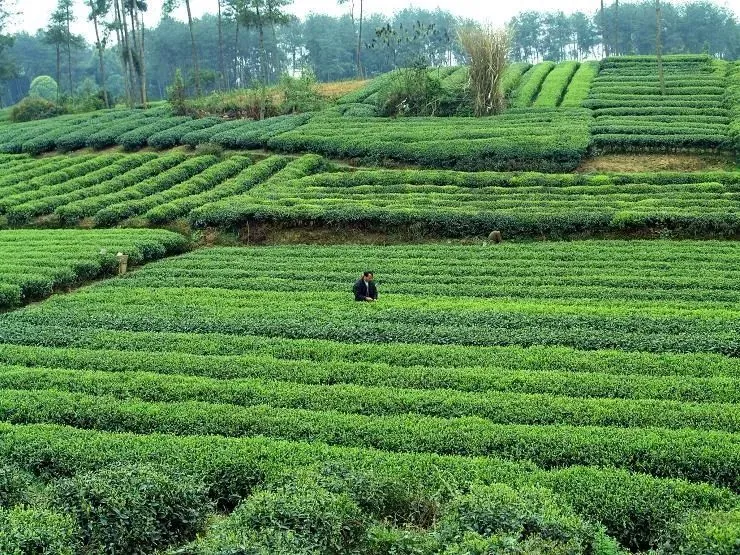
574 389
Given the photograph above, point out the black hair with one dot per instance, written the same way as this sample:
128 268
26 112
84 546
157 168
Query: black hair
367 273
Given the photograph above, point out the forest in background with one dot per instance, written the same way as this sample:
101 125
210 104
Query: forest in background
231 51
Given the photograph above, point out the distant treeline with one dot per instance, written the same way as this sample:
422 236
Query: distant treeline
327 46
691 28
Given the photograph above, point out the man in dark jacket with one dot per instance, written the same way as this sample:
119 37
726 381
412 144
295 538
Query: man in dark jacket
365 289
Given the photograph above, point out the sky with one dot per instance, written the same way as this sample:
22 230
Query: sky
34 14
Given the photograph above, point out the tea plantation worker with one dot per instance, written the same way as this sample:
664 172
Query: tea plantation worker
365 289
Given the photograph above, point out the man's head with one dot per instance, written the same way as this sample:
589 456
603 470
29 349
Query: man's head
367 276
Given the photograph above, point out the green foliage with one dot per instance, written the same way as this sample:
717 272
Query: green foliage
530 520
632 114
131 509
457 204
530 84
715 533
50 260
315 520
44 87
636 508
546 140
555 85
15 487
31 108
413 92
176 95
37 531
300 94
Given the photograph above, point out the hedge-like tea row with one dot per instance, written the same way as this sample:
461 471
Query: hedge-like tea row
531 84
25 206
242 183
733 102
101 199
555 85
635 508
203 181
231 210
544 140
580 85
694 90
690 454
35 263
110 188
454 204
269 341
105 184
503 408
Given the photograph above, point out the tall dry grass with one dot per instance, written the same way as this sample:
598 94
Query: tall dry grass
487 49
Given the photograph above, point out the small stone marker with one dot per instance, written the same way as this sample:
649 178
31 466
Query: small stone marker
122 263
495 236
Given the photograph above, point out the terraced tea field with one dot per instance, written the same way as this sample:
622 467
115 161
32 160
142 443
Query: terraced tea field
458 204
606 371
547 397
33 264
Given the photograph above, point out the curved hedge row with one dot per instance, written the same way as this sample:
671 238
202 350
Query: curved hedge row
451 204
268 341
694 91
33 264
531 84
555 85
580 85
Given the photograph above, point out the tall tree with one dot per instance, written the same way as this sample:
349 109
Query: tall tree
134 8
126 51
221 66
257 14
7 66
659 46
359 32
98 10
168 7
55 35
602 26
616 28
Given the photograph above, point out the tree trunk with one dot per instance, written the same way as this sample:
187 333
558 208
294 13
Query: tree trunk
129 58
196 68
100 59
122 48
142 62
604 42
659 47
263 69
135 46
59 70
222 67
69 53
359 45
616 28
237 77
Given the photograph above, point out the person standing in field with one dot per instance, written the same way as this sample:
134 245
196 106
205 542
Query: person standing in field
365 289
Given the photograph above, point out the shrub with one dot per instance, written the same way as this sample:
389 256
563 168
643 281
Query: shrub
15 485
176 94
132 509
413 93
487 49
37 531
44 87
32 108
301 94
704 533
299 515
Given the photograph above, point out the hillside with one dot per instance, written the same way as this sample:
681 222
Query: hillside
568 385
